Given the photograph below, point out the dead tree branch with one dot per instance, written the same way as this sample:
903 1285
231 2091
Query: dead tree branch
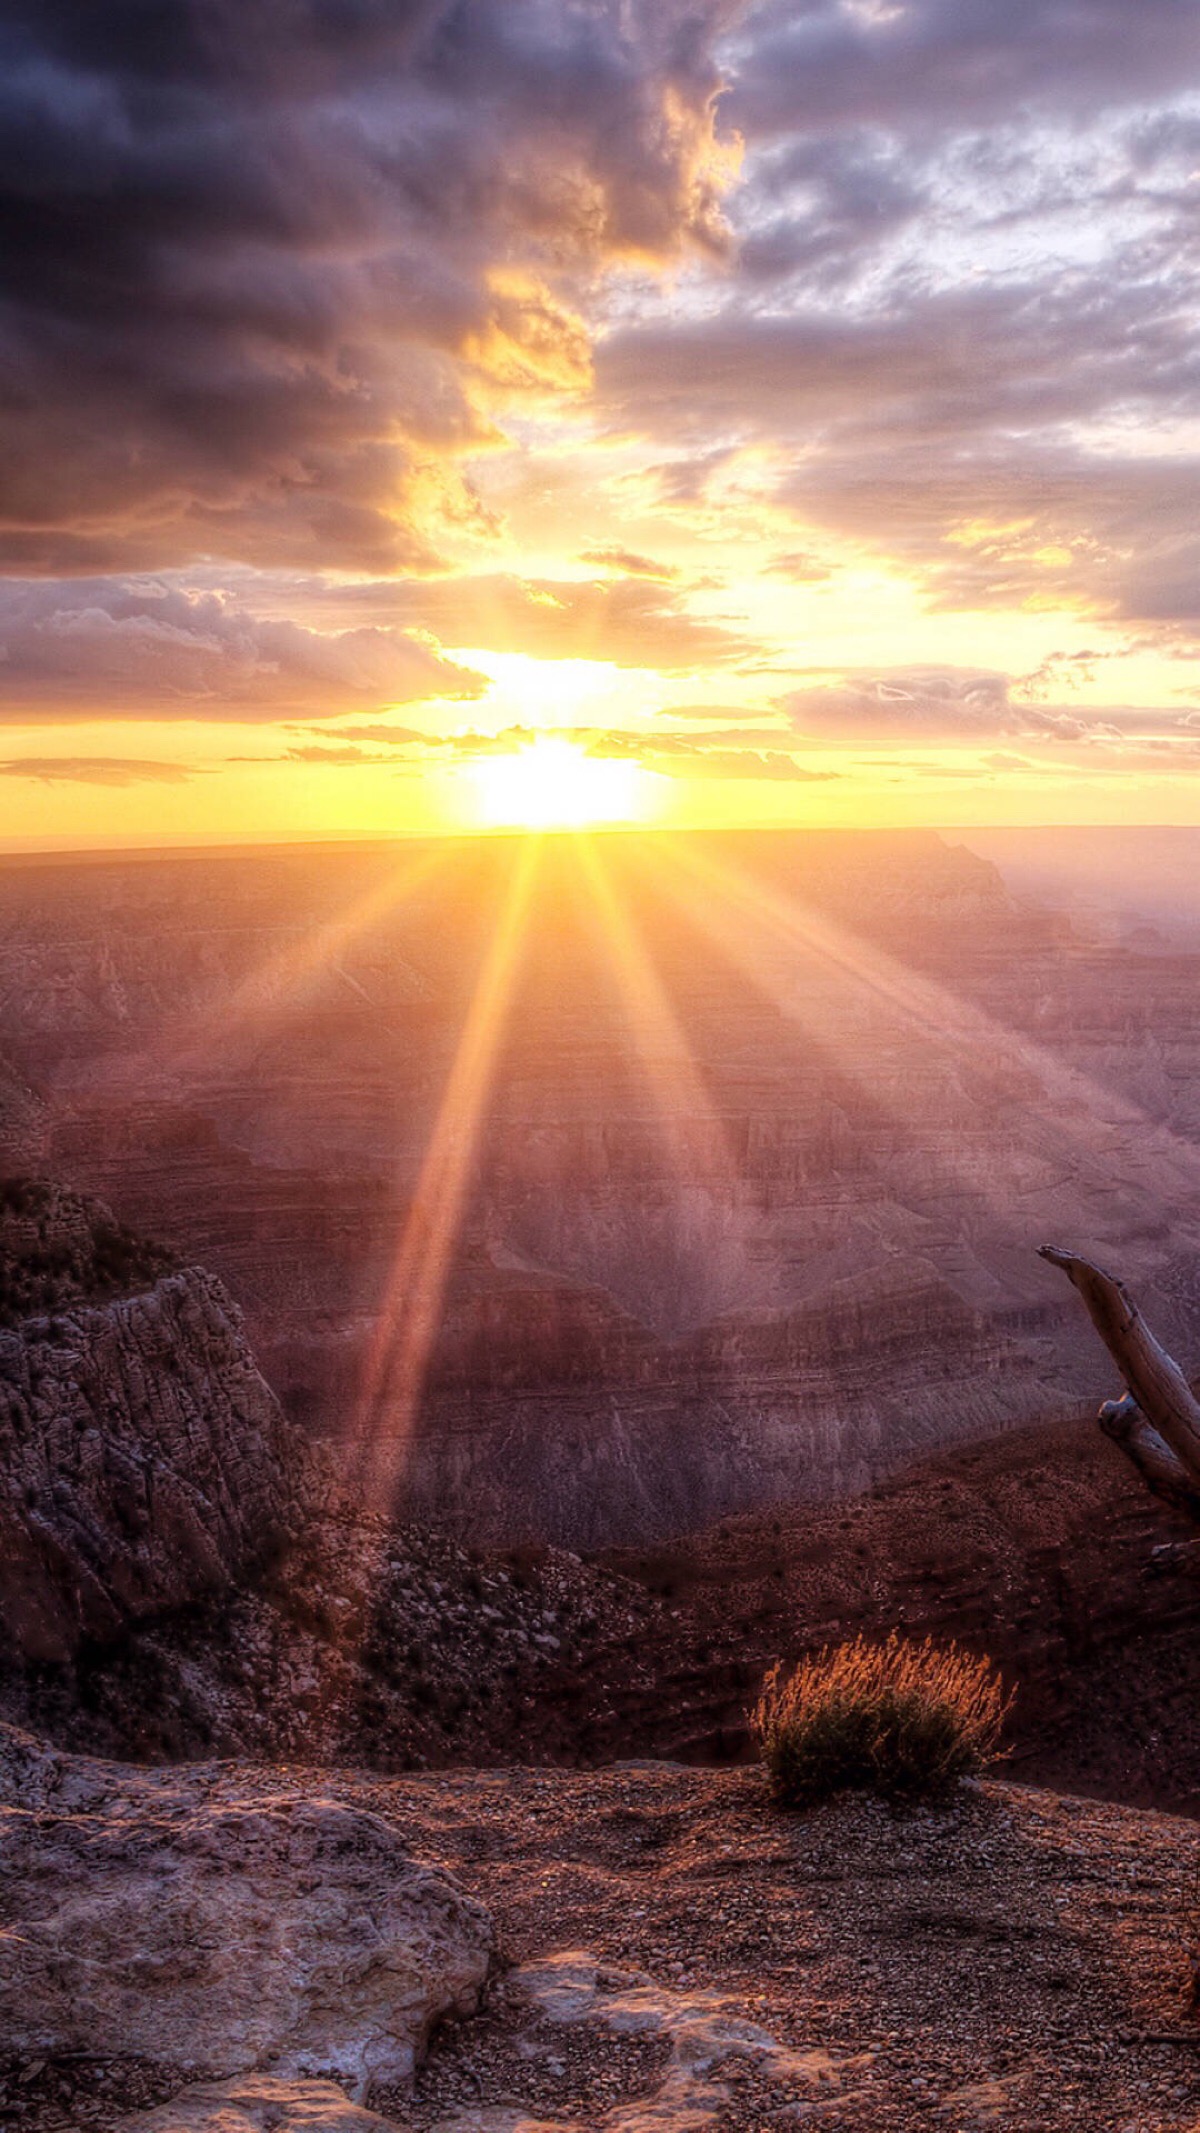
1157 1424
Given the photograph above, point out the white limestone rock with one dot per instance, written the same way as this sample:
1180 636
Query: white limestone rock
217 1929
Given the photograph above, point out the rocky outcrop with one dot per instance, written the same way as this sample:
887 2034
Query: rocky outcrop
181 1921
144 1461
59 1249
702 2035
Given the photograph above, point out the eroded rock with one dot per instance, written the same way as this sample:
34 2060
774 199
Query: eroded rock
144 1461
706 2032
172 1919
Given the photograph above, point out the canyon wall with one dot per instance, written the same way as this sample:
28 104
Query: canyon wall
144 1462
751 1178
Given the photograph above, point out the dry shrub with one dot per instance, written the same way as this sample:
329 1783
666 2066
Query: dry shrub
898 1718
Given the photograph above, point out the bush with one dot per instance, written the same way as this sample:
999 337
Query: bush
898 1718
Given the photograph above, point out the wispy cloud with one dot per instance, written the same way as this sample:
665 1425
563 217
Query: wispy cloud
95 770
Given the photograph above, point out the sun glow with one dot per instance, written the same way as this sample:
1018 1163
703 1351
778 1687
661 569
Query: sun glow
555 784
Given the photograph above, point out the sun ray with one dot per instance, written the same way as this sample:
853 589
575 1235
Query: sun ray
397 1358
184 1042
695 1139
273 985
1065 1117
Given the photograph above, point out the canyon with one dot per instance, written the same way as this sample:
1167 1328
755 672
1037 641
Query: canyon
767 1129
732 1343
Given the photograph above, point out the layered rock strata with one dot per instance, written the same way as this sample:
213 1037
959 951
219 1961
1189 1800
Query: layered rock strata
759 1225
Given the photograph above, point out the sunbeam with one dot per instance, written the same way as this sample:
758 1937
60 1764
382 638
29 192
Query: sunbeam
186 1042
692 1133
1098 1138
397 1358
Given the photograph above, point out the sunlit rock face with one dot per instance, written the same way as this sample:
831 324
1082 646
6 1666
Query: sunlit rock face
205 1921
736 1193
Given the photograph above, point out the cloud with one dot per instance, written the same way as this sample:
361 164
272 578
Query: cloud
263 265
735 763
902 705
672 755
292 290
629 563
824 66
95 770
959 335
338 758
374 731
997 441
799 567
152 648
730 714
942 703
1050 524
628 622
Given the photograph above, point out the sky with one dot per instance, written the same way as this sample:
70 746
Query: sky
793 408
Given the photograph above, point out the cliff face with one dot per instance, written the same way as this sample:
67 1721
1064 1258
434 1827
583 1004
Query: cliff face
143 1461
775 1239
24 1122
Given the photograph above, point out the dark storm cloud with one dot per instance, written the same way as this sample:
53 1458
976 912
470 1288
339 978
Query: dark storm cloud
151 649
251 252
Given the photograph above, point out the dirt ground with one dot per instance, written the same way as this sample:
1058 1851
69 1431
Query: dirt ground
678 1954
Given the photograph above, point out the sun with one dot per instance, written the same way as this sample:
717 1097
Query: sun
555 784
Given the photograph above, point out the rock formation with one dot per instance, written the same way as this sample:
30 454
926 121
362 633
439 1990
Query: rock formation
144 1461
179 1920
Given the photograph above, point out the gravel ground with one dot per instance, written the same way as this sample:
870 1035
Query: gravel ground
1014 1960
680 1954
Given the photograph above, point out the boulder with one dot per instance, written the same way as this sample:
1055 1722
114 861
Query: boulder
202 1924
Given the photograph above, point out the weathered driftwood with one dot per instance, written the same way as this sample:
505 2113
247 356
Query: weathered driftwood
1157 1424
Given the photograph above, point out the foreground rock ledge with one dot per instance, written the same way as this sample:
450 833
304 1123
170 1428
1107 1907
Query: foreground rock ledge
161 1918
260 2103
